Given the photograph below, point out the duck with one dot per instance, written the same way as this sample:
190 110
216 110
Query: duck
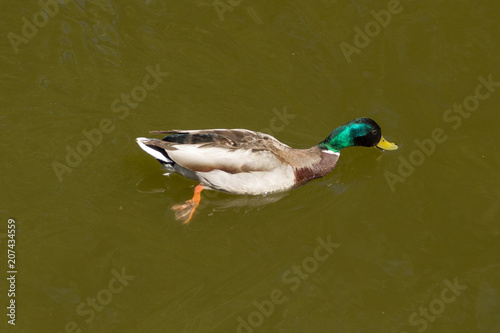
245 162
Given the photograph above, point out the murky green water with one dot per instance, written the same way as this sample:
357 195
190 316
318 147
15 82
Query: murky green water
403 241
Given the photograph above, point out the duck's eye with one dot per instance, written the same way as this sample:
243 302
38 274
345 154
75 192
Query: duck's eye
375 132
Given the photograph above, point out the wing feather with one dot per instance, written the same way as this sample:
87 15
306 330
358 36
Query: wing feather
232 151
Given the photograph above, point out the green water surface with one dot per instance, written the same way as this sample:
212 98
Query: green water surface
399 241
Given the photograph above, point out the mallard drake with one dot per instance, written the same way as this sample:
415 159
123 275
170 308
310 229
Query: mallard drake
241 161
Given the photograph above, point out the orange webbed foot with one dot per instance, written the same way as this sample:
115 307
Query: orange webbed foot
185 211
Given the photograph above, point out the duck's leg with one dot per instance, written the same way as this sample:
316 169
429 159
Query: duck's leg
185 211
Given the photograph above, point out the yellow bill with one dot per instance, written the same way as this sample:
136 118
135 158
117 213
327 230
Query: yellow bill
386 145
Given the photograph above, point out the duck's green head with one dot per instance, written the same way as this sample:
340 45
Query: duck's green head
358 132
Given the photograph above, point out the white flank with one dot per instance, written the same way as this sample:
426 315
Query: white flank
186 155
253 183
156 154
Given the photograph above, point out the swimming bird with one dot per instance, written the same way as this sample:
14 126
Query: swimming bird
241 161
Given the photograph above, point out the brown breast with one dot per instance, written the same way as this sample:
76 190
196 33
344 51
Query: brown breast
325 164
